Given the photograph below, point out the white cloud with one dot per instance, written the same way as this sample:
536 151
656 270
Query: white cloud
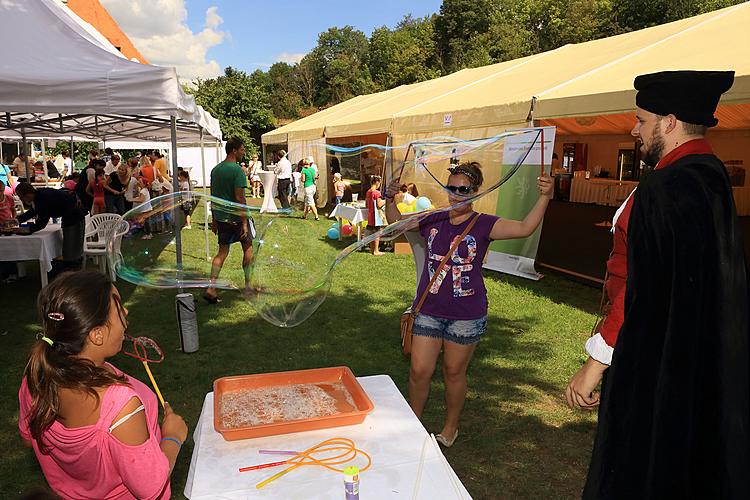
158 29
288 58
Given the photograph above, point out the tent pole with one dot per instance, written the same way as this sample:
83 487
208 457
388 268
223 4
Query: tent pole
44 164
175 189
72 157
205 197
23 149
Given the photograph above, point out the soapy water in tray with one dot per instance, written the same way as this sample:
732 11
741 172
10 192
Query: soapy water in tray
266 405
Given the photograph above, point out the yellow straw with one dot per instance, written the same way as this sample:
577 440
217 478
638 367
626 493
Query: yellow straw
153 382
276 476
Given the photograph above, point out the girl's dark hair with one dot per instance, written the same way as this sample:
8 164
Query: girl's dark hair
83 298
472 170
406 187
375 179
99 171
184 173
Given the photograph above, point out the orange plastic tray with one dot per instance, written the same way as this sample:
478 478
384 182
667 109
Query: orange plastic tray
337 374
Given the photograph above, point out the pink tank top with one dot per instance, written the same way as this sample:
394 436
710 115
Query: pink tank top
89 462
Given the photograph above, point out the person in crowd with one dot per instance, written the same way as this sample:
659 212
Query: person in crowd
116 184
253 174
64 164
22 168
228 182
39 171
283 173
298 192
374 203
160 164
107 156
142 198
8 270
338 187
408 194
47 203
309 188
675 397
112 164
7 205
93 428
314 166
96 191
243 166
187 206
71 181
52 172
85 178
131 190
453 316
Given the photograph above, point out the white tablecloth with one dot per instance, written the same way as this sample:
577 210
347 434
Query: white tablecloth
268 179
353 214
43 246
392 435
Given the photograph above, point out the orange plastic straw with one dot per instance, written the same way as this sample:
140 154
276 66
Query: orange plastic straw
346 452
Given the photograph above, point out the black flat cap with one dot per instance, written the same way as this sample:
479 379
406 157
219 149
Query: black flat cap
692 96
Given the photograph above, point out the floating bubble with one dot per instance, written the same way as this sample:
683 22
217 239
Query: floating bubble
294 259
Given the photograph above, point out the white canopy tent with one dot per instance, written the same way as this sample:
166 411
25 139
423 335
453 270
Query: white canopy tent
68 81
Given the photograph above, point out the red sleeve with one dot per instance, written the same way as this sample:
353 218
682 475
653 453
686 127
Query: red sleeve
610 327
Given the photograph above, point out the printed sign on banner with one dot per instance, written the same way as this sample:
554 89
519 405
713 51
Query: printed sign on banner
516 199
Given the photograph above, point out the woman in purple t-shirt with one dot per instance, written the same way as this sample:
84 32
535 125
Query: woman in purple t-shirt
454 314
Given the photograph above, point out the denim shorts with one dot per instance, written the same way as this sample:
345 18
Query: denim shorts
458 331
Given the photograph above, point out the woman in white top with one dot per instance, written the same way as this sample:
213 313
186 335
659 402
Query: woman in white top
253 173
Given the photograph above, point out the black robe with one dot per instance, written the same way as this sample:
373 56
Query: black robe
674 417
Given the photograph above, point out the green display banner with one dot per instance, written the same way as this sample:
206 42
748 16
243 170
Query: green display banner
517 197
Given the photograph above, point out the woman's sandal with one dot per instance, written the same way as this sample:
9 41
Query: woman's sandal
445 441
211 299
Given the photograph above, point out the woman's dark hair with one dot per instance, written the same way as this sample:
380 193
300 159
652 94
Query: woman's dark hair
472 170
99 171
406 187
375 179
83 300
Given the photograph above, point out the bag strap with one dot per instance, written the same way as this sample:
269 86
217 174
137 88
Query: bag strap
455 244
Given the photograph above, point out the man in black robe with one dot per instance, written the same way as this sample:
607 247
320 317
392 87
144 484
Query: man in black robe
674 420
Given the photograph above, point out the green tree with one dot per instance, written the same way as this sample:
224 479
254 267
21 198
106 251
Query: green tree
286 101
339 64
638 14
241 105
461 29
407 54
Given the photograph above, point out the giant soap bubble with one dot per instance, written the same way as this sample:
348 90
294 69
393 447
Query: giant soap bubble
294 259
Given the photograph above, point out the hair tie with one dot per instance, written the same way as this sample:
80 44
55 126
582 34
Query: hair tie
56 316
40 336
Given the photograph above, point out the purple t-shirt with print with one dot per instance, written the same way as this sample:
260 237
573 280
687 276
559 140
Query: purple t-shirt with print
459 292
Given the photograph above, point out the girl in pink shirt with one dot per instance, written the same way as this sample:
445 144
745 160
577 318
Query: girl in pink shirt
94 429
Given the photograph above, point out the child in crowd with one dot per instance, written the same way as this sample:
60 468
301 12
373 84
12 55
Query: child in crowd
96 190
93 428
338 187
143 200
7 205
183 179
71 181
375 216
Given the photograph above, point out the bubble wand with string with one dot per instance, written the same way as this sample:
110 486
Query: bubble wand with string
142 346
331 452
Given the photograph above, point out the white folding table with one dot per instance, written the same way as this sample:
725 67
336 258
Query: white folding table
392 435
43 245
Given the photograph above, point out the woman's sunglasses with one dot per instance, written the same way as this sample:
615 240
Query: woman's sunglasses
462 190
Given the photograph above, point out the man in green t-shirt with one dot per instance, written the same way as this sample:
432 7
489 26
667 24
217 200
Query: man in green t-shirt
228 182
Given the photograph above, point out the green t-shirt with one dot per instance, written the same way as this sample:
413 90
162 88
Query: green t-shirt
225 178
309 176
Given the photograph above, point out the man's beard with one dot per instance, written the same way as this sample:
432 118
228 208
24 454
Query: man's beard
655 150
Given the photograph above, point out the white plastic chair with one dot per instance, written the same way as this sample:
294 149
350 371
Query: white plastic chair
99 230
96 230
116 256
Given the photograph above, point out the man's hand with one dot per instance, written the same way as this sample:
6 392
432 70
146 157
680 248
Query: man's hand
580 391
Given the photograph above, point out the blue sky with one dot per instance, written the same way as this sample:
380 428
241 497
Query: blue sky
260 31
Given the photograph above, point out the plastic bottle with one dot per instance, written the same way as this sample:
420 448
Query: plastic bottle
351 483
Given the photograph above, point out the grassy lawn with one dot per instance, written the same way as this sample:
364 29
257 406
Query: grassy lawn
518 439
